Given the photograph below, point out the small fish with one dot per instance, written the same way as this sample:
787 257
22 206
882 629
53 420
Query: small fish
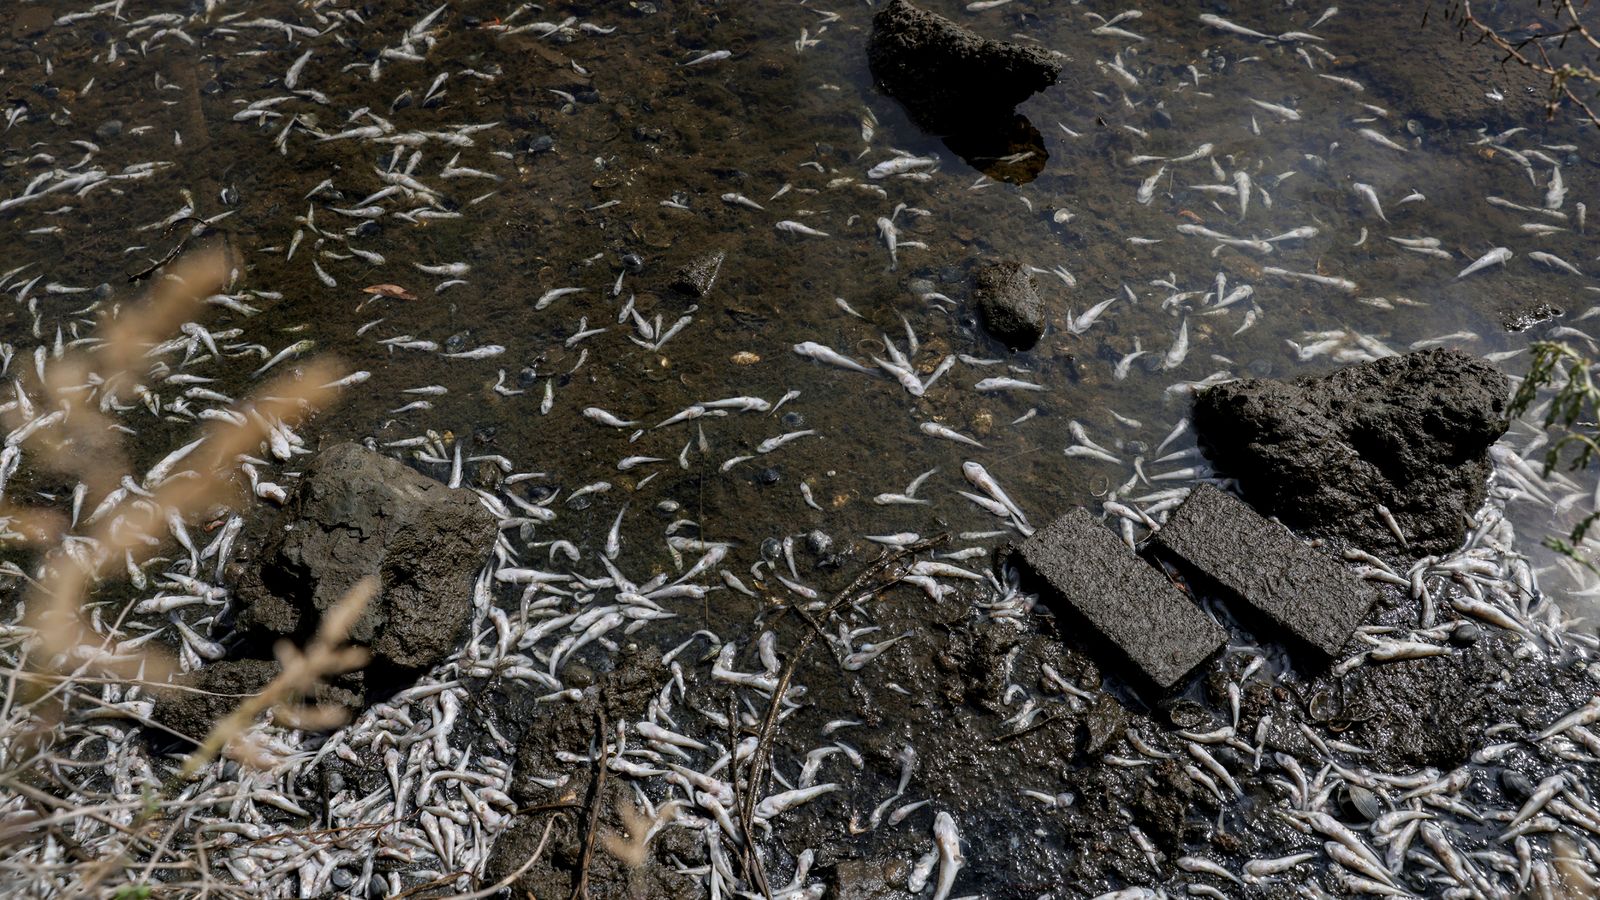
292 350
1222 24
1382 140
1553 261
596 414
934 429
1493 257
487 351
797 228
771 444
1007 384
1556 194
948 838
1282 112
820 353
1080 324
552 295
1147 188
451 270
741 200
900 165
1366 193
713 56
1179 351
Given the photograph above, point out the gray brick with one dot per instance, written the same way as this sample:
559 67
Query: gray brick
1127 602
1305 592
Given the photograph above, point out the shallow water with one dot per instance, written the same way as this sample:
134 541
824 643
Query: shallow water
605 154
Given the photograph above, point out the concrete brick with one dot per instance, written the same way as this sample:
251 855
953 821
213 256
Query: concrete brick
1124 600
1299 589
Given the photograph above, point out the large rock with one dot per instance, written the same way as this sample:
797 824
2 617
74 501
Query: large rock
356 513
1411 433
947 77
1008 303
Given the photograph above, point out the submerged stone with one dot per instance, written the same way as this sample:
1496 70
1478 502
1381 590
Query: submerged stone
948 77
698 277
1328 455
1011 308
1124 601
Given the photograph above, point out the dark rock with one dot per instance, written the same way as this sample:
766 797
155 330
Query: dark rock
1299 590
1127 603
947 76
623 693
196 700
1409 432
354 514
697 278
865 879
1010 306
1433 711
1519 787
199 698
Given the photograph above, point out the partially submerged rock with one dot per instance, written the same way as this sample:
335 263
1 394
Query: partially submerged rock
1406 434
1008 302
697 277
357 513
948 77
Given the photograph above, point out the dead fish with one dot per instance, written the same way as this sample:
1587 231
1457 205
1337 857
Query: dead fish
713 56
818 352
1282 112
1553 261
1382 140
951 859
797 228
1366 193
1007 384
934 429
1493 257
1222 24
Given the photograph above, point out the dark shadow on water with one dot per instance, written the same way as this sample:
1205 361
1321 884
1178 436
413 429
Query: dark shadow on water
1006 148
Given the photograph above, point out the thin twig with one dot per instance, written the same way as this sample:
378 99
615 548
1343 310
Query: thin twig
597 784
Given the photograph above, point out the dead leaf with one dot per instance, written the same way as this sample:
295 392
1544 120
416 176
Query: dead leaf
389 290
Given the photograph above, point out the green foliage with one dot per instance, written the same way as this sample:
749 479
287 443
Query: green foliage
132 892
1574 412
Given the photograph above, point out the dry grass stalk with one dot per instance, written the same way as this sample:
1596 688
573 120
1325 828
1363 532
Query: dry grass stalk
58 423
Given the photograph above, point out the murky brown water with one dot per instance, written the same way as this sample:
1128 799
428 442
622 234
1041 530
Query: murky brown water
603 153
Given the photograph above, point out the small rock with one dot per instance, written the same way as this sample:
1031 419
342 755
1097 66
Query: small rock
1466 634
108 129
1010 306
697 278
818 542
1519 787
